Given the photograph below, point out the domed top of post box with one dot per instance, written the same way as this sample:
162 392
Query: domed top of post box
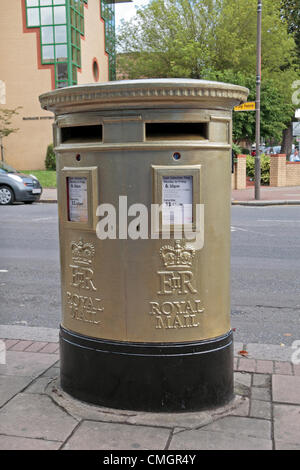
152 93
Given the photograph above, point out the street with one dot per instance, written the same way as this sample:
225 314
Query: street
265 270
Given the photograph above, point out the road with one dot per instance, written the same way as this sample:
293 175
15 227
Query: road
265 270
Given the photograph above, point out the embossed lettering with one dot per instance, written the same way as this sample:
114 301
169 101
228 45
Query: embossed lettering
168 322
84 308
82 277
176 282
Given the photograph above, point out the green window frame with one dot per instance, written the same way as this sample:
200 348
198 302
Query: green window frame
59 21
61 24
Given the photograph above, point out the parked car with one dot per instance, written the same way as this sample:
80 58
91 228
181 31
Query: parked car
273 150
262 149
18 187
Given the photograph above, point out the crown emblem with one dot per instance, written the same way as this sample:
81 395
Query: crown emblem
82 253
178 256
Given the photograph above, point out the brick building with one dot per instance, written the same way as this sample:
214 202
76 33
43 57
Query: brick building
48 44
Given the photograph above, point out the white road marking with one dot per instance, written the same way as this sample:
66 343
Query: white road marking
234 229
3 270
42 219
278 221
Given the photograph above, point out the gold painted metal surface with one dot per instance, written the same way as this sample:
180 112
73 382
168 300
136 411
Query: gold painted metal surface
146 290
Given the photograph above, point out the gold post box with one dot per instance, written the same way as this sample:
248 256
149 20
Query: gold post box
144 196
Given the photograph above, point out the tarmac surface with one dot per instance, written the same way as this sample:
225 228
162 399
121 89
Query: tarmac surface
36 414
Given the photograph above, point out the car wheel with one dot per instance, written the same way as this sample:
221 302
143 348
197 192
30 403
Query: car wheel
6 196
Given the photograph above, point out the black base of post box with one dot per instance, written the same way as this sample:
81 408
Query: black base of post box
164 377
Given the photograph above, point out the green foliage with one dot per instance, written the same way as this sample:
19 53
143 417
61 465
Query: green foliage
169 38
265 168
290 10
47 178
216 39
50 161
276 107
185 38
236 149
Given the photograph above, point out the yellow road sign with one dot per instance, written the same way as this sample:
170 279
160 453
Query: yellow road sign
250 106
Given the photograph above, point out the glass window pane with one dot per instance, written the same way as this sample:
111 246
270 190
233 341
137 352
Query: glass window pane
60 34
74 74
33 17
48 52
62 84
62 71
59 15
32 3
59 2
47 35
73 36
46 15
74 54
45 2
61 52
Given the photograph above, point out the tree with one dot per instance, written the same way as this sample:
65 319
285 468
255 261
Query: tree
207 38
185 38
169 38
6 116
274 107
290 11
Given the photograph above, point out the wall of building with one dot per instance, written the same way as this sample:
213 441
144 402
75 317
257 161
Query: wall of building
24 81
25 78
90 49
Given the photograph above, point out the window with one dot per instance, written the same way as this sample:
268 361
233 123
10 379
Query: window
61 24
95 70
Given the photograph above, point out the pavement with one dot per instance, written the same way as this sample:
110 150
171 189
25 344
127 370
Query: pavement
36 414
269 196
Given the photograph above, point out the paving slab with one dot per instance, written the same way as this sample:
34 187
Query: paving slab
281 445
286 389
92 435
35 416
30 333
286 425
27 364
38 385
23 443
209 440
261 380
260 409
10 386
269 352
242 426
260 393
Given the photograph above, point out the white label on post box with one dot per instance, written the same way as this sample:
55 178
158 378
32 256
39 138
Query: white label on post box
78 204
177 199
